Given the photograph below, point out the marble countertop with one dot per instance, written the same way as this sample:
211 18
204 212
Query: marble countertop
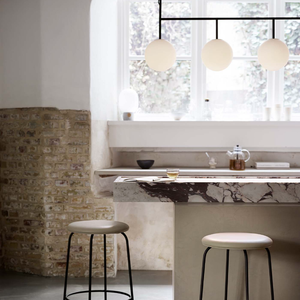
210 189
210 179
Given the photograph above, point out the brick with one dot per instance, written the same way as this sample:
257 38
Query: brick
82 125
61 183
52 117
35 116
31 133
53 142
47 149
77 167
32 141
33 223
77 183
61 166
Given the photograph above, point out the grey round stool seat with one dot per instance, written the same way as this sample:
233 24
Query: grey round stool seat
102 227
98 227
237 241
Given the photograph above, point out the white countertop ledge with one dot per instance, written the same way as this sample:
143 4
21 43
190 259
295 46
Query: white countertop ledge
206 123
254 136
126 171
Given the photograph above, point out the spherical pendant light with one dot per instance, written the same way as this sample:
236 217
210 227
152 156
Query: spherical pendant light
217 55
160 55
273 54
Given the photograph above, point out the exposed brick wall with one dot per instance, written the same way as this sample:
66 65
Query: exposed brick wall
45 185
1 234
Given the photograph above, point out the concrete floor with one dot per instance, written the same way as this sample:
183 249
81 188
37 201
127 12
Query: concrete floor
148 285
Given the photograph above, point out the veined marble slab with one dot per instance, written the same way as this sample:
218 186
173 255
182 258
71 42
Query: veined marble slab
231 189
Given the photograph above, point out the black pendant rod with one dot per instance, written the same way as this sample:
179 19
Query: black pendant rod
273 28
217 29
160 18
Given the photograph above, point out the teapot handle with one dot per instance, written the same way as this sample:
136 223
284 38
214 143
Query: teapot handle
248 154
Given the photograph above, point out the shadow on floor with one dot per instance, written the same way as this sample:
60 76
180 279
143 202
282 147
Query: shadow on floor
148 285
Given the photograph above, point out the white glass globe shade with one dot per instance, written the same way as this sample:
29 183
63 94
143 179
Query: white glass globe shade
160 55
217 55
273 54
128 100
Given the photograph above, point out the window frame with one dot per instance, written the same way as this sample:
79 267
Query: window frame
280 77
275 80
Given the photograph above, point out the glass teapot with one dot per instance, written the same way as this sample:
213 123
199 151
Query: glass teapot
237 158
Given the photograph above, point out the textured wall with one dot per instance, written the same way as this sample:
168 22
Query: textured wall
151 235
45 184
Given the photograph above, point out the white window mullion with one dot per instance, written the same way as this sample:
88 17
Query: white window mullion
124 81
279 80
271 77
202 27
194 73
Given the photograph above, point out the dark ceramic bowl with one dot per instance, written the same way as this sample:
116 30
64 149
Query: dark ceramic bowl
145 164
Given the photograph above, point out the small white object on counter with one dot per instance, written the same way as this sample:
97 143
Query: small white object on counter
272 165
288 113
212 161
128 116
268 113
277 112
177 116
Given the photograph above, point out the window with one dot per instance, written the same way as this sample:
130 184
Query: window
291 89
238 93
160 92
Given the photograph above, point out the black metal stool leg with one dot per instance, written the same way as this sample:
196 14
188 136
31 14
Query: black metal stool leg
203 272
226 274
105 274
91 266
246 274
129 265
271 274
67 266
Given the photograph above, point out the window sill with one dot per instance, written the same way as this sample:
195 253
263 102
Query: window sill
201 135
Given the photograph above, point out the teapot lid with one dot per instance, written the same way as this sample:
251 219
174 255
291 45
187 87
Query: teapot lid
237 148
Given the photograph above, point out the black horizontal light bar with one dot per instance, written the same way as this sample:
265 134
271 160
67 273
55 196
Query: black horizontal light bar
273 19
217 19
229 18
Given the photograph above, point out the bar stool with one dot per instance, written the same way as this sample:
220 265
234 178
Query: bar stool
237 241
98 227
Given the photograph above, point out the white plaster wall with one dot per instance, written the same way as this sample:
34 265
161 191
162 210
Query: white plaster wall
104 77
150 235
44 53
104 59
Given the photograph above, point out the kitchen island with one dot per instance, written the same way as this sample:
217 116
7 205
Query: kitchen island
209 204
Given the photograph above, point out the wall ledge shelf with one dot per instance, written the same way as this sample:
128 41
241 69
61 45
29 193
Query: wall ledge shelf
126 171
204 123
201 135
